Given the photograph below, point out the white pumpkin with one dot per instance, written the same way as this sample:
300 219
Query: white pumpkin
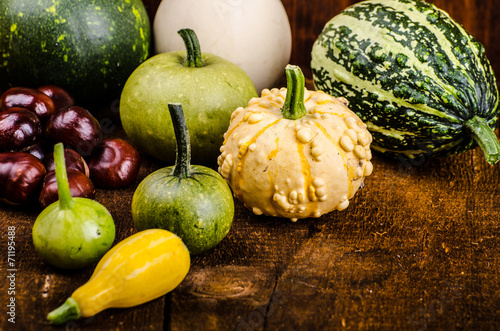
253 34
295 168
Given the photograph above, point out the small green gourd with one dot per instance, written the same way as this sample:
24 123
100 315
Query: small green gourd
192 201
72 233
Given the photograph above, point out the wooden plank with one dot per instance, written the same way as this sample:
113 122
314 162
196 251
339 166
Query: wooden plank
349 269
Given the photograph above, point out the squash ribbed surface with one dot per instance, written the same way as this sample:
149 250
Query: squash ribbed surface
412 74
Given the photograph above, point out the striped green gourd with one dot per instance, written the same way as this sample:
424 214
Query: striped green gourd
419 80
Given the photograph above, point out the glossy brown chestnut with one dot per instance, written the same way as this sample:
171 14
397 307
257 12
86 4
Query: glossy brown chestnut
21 176
36 150
73 161
76 128
79 186
114 164
29 98
59 96
19 128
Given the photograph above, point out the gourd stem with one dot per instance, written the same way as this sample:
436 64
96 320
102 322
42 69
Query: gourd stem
182 167
193 51
294 107
68 311
65 199
485 138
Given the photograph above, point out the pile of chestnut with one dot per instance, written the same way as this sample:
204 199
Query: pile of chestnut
32 121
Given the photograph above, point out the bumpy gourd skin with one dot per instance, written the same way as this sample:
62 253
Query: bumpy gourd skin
295 168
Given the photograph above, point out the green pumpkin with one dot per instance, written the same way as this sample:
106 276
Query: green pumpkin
419 80
88 47
192 201
209 88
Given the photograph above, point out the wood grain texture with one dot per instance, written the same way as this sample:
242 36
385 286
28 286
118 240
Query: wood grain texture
417 249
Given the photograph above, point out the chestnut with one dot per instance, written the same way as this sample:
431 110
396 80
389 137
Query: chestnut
29 98
76 128
79 186
59 96
21 176
36 150
19 128
72 159
114 164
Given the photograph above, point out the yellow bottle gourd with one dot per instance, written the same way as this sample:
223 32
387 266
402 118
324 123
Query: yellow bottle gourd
140 268
295 153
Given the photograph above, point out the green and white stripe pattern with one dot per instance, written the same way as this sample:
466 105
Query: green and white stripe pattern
412 74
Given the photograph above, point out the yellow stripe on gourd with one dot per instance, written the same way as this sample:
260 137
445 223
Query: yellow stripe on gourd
308 173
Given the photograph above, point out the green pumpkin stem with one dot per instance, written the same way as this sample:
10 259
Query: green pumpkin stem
68 311
65 199
485 138
193 51
294 107
182 167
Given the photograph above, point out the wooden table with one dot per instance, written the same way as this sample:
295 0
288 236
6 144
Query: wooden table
418 248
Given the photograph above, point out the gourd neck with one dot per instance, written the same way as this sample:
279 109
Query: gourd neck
485 138
193 51
294 107
65 199
68 311
182 168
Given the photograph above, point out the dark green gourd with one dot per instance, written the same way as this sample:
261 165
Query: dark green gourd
419 80
88 47
192 201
